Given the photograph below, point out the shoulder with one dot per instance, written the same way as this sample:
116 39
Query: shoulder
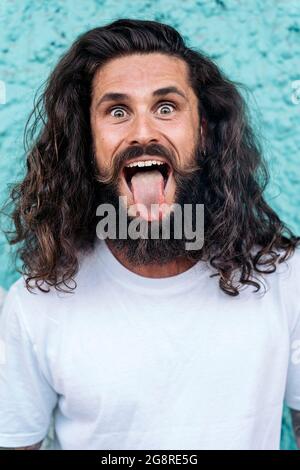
24 311
19 294
42 309
289 270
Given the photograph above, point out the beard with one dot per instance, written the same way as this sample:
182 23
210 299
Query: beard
146 250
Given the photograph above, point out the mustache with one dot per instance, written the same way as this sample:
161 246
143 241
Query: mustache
112 174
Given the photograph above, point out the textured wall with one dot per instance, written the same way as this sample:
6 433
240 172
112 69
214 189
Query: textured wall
254 41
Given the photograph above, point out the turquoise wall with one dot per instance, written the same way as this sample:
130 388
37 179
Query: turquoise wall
255 42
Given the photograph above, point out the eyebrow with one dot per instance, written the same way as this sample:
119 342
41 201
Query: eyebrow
112 96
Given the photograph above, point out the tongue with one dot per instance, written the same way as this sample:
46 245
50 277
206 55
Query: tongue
147 189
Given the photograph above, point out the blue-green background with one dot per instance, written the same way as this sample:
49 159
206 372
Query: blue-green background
255 42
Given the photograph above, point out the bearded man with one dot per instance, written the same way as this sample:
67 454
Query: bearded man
132 341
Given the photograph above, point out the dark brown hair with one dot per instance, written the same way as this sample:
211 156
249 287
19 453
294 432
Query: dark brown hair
54 206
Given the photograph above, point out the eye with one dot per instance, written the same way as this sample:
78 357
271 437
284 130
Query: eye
114 109
165 105
122 109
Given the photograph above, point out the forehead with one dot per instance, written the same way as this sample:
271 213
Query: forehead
140 74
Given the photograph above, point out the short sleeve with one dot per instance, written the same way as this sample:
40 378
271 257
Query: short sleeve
26 398
292 391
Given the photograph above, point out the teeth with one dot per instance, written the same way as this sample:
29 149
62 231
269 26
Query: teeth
145 163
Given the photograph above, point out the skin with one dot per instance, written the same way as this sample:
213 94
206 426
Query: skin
144 119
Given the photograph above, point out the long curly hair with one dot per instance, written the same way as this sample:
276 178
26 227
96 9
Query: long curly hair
54 206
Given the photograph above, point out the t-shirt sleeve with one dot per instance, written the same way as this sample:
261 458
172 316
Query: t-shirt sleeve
292 391
26 397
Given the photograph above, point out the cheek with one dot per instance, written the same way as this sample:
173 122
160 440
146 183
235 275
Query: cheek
183 136
104 142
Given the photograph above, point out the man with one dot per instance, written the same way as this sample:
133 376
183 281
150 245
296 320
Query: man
130 341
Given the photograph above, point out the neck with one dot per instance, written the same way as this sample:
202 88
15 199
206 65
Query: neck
172 268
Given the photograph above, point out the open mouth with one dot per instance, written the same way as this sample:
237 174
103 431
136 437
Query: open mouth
150 186
145 166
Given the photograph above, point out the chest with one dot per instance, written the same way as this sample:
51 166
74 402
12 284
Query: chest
128 355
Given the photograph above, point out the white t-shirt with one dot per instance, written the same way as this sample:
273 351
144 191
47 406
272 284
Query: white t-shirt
129 362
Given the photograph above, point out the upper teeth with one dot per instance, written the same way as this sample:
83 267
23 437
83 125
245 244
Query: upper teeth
145 163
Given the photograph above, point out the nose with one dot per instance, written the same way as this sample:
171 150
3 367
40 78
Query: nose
142 131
